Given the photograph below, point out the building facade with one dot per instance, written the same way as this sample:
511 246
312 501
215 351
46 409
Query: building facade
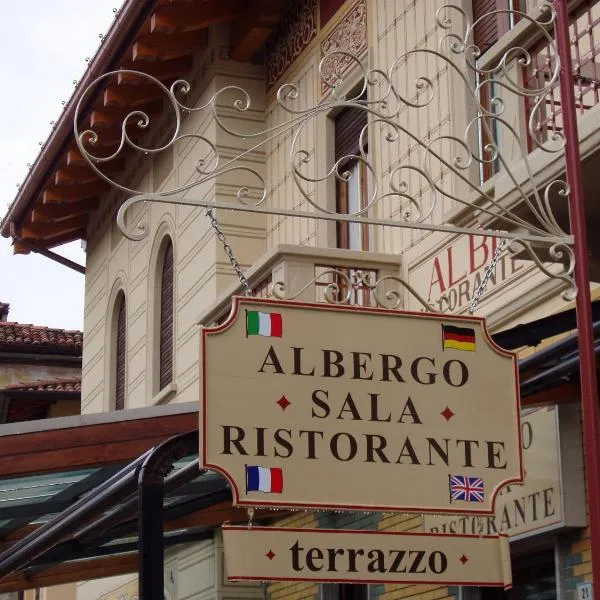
146 298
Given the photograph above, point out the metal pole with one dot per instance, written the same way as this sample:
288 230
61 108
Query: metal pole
151 479
587 359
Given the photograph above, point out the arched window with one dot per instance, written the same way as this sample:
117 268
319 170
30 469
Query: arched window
120 352
165 355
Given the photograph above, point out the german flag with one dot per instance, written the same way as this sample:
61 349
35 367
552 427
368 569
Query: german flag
459 338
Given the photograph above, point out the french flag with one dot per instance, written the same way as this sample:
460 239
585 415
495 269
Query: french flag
264 479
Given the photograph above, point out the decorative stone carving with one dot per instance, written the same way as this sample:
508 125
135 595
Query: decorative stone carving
290 38
349 36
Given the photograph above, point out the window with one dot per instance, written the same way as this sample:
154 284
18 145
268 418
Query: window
491 28
344 591
120 353
488 132
165 353
352 194
534 578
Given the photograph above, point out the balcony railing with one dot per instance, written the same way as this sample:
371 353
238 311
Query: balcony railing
319 275
584 30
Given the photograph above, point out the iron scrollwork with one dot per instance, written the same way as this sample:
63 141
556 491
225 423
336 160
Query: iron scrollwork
527 223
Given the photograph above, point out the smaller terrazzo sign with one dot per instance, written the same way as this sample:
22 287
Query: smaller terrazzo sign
321 406
326 555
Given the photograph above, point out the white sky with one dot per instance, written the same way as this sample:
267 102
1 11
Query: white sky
42 50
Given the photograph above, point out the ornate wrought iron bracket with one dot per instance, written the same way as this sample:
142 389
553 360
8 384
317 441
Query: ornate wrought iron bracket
528 223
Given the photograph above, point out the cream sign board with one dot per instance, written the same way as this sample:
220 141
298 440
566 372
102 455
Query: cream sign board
521 510
321 406
327 555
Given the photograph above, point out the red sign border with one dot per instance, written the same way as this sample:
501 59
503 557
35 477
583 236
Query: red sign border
370 532
238 301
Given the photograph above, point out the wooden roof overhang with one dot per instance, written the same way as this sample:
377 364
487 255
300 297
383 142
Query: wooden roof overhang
69 460
157 37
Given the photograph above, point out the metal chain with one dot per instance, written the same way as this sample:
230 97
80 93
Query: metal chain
234 263
489 271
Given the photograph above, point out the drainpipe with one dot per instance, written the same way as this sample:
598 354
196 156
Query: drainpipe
151 478
587 358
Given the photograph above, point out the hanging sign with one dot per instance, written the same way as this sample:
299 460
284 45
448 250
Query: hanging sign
549 497
321 406
329 555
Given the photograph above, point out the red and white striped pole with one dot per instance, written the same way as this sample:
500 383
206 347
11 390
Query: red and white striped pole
587 358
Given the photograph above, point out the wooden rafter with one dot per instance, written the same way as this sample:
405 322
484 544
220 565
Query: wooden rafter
165 46
184 17
46 213
70 193
38 231
163 70
84 570
130 96
251 29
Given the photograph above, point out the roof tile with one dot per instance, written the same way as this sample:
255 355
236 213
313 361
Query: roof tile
65 384
34 336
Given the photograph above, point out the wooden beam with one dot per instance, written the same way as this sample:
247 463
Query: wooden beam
58 240
191 17
163 71
566 393
84 570
167 47
251 29
131 96
37 231
72 193
74 175
74 158
47 212
88 445
79 174
106 118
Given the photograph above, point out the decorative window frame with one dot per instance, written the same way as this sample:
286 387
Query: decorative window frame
118 291
165 233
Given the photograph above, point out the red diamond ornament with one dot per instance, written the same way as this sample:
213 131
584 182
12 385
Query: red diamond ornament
270 555
283 402
463 559
447 414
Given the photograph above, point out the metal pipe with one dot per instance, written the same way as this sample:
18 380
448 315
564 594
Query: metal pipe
49 534
569 344
128 507
544 379
150 513
587 357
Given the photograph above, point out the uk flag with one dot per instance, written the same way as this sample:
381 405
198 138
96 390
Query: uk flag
469 489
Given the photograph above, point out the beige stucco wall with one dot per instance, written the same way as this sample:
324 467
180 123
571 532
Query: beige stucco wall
201 267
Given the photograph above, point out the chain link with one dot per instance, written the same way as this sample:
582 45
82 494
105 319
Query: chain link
489 271
234 263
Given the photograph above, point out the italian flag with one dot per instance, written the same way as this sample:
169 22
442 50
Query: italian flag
266 324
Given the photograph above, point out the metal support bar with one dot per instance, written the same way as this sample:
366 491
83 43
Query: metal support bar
128 508
587 357
65 554
150 520
323 216
51 255
49 534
